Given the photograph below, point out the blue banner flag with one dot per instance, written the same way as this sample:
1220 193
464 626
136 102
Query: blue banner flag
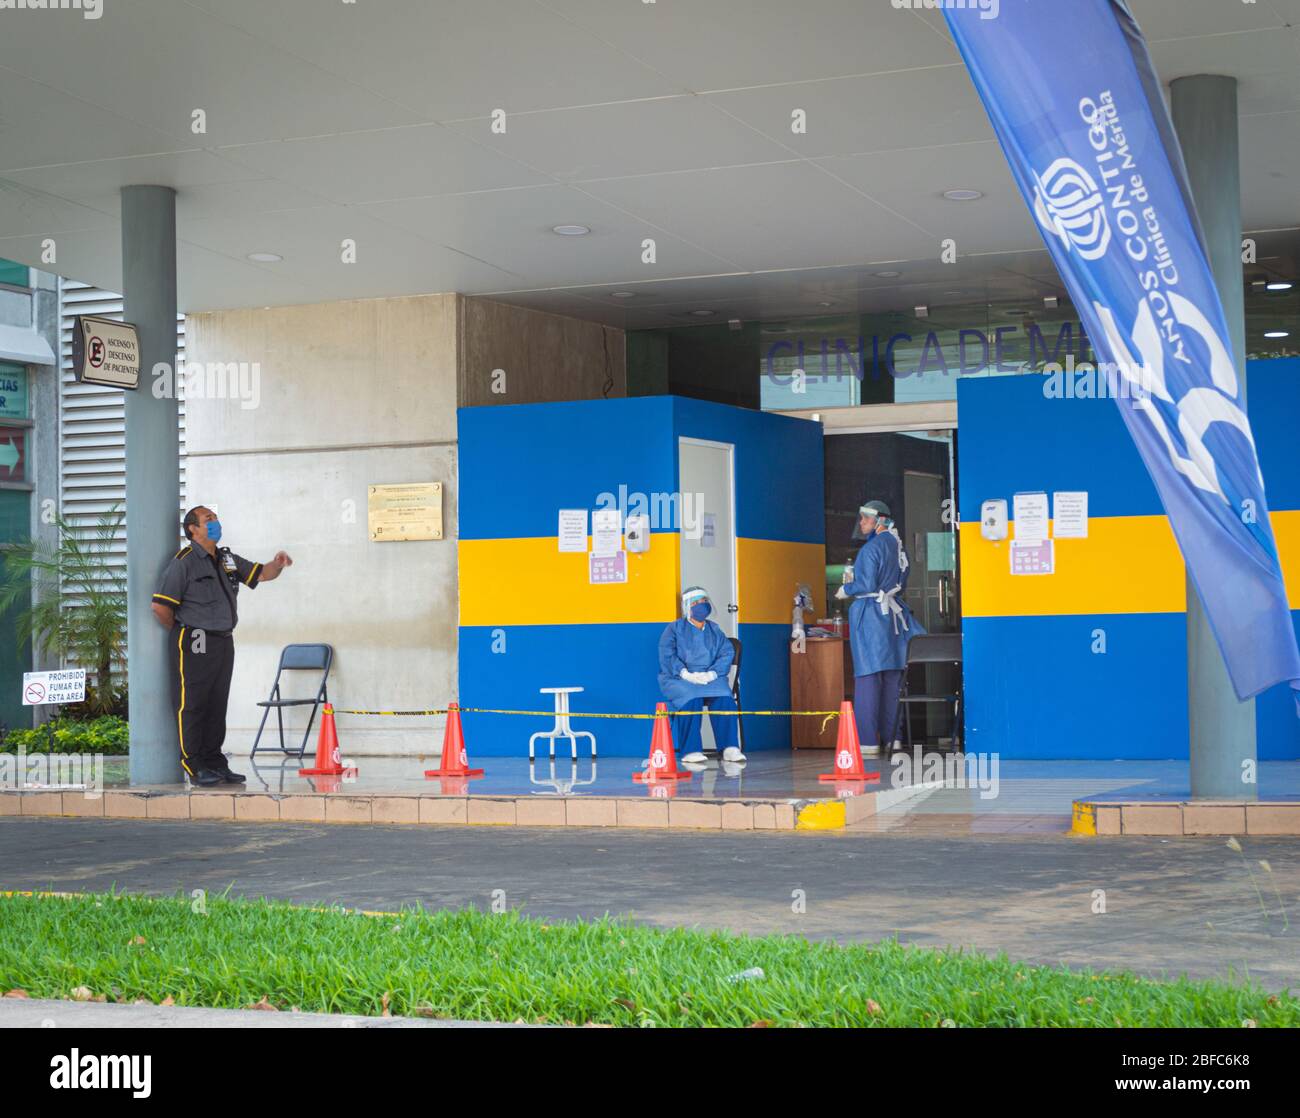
1077 107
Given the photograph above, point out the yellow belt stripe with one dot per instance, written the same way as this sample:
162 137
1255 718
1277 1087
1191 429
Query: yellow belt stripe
180 711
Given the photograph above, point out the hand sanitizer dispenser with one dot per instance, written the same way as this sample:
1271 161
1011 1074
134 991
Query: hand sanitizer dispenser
636 533
993 519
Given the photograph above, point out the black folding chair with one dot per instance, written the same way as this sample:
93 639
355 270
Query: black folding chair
297 658
735 694
931 648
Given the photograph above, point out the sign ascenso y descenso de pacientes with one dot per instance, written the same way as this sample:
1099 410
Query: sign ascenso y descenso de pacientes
105 352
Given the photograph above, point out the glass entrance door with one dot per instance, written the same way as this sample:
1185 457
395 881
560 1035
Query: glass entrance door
913 473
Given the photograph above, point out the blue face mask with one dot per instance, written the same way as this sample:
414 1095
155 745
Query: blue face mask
701 610
214 531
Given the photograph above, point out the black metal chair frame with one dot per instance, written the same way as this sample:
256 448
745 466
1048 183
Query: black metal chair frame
735 694
931 648
294 658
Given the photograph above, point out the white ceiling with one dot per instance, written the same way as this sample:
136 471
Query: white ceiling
371 120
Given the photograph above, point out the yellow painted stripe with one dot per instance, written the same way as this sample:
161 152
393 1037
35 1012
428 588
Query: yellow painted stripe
768 571
531 582
1128 564
824 815
180 710
1286 530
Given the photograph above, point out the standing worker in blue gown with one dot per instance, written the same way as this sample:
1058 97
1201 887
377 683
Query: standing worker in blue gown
694 658
880 625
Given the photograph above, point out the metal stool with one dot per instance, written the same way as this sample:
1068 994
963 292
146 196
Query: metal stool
561 729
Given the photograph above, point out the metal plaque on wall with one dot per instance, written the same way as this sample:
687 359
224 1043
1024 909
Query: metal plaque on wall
405 512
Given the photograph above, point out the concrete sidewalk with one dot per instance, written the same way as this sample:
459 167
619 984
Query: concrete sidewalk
36 1013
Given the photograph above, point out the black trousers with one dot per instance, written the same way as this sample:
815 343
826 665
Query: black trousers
202 662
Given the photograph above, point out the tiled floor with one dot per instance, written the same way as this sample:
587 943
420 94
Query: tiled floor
1011 797
766 776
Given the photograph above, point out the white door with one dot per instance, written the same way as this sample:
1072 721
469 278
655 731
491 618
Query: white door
708 525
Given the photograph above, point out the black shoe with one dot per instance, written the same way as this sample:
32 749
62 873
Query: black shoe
232 777
206 777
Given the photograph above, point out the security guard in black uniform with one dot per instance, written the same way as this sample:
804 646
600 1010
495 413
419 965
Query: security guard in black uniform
197 603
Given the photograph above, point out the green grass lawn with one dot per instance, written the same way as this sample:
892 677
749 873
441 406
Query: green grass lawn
474 965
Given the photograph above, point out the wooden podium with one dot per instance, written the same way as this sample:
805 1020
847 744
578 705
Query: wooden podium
821 677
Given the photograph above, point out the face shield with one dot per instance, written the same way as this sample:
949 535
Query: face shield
873 512
693 597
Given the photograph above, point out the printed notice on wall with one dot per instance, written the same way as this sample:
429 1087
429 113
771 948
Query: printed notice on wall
1070 516
709 536
573 530
1029 511
606 531
1033 557
607 568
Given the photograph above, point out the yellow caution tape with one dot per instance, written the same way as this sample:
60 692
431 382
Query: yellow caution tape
825 715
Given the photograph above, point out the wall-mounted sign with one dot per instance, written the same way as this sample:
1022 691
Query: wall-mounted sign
405 512
1033 557
607 568
1029 511
105 352
13 391
573 529
13 453
67 686
606 531
1070 515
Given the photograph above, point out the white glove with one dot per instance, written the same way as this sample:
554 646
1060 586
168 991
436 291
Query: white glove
688 675
841 593
695 677
708 677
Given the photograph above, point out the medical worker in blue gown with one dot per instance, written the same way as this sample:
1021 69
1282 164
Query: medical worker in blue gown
694 658
880 625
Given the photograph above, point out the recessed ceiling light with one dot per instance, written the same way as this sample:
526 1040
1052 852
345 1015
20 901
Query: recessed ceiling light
701 313
963 195
1279 285
265 257
571 230
622 294
888 275
1277 333
826 303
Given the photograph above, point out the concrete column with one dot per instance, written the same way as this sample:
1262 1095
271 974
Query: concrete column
152 475
1204 109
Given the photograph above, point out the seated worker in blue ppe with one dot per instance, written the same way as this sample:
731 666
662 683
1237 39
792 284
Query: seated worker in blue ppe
880 626
694 658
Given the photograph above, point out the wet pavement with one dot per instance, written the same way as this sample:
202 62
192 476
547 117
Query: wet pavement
1156 906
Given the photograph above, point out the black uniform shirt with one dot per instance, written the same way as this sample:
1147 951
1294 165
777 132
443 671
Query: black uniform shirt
203 589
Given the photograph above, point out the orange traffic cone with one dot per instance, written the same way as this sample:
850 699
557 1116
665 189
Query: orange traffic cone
454 760
663 758
327 749
848 751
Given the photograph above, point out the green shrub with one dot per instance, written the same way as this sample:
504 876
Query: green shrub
108 734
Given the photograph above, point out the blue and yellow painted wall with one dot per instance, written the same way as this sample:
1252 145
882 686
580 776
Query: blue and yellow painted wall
529 617
1035 687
